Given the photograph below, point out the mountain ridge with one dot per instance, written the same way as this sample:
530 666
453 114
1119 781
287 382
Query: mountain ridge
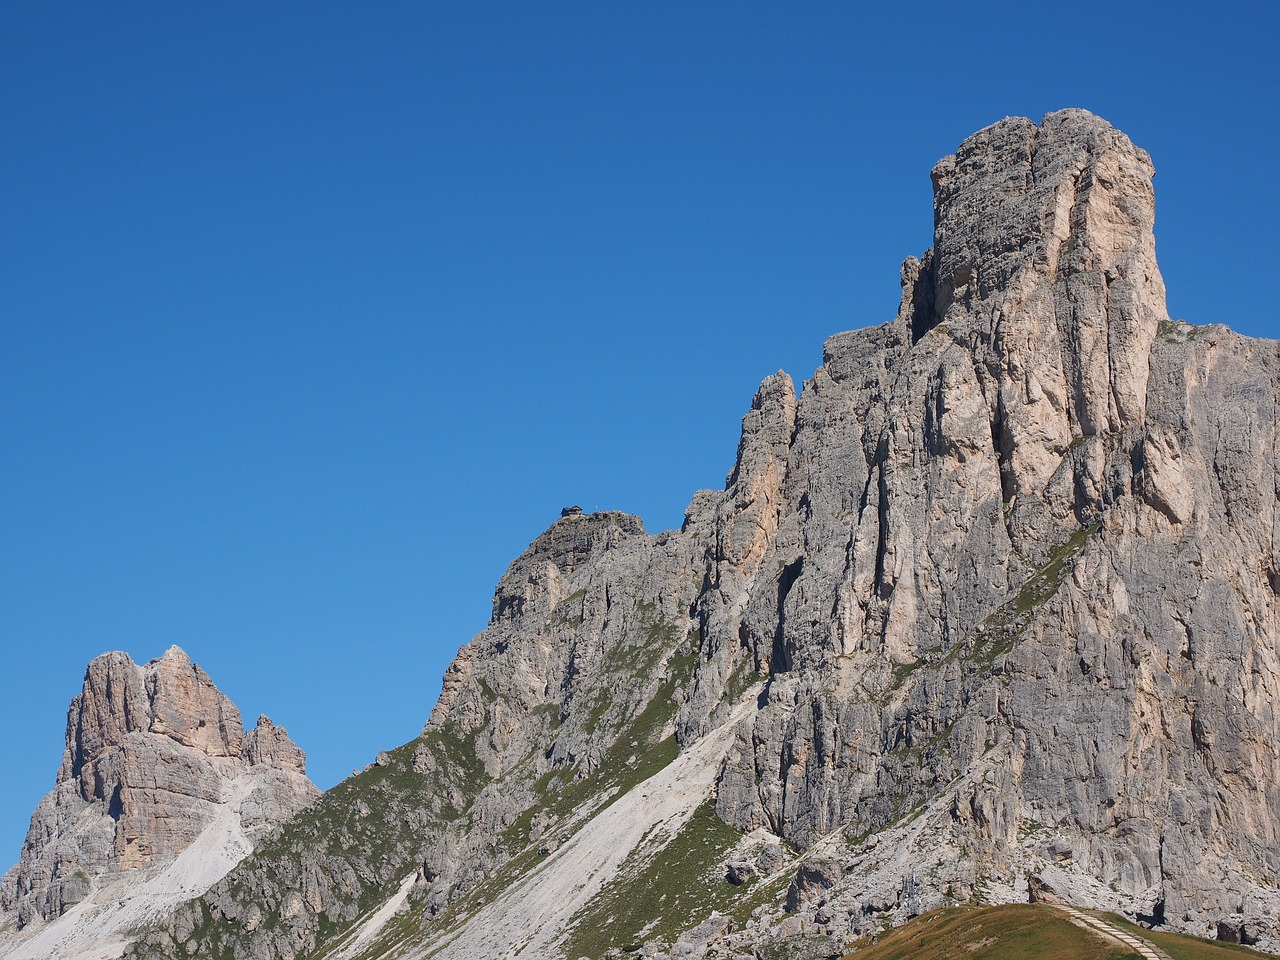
986 613
905 553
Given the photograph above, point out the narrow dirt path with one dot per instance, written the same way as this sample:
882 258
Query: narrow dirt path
1144 948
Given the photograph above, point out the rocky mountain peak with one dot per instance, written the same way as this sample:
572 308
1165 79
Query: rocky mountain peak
170 697
536 578
269 745
986 613
1043 268
1069 194
155 757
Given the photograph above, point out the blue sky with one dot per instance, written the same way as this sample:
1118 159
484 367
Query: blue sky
314 315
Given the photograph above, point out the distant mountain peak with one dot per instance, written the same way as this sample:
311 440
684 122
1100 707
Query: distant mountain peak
156 757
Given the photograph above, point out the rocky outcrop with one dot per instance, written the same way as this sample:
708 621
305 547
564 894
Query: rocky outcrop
987 612
1016 572
155 756
270 746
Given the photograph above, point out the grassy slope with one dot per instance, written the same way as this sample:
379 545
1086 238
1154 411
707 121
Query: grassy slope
1187 948
1014 932
1024 932
645 749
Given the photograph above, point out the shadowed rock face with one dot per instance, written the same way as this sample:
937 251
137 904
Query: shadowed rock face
152 755
1006 568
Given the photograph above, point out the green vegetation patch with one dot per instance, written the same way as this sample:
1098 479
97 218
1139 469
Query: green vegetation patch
366 812
1044 582
658 894
640 752
999 632
1013 932
372 823
1182 947
1026 932
740 680
211 932
634 757
638 656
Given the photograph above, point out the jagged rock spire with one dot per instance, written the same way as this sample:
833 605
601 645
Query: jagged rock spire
1043 265
154 755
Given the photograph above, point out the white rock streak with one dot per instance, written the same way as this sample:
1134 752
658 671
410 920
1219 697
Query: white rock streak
367 929
534 912
101 926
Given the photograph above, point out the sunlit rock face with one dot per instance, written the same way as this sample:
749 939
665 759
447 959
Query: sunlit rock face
154 755
1022 588
986 612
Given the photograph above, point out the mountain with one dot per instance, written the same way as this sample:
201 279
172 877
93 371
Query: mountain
159 794
985 614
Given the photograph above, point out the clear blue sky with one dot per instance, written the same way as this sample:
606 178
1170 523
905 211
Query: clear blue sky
315 315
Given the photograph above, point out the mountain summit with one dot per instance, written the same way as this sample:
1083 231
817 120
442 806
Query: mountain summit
159 794
986 614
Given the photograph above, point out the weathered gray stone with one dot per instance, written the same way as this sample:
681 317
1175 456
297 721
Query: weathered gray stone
154 755
812 881
770 859
1007 568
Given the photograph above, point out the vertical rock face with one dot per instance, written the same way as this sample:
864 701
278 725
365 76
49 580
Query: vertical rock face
1044 268
1023 558
154 755
1007 572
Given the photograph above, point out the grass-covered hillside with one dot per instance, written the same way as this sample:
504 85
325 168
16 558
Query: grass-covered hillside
1025 932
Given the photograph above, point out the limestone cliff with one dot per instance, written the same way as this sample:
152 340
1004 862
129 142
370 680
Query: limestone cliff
987 612
156 760
1023 564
